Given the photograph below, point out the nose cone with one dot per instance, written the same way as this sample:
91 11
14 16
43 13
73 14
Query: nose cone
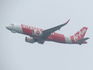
8 27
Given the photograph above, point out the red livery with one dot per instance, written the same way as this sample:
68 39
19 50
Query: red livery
40 35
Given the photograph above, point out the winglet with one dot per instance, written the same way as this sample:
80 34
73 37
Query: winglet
67 21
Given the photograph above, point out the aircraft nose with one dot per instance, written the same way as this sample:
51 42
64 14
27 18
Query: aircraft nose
7 27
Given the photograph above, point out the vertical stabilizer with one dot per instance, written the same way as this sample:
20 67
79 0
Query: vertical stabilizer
80 34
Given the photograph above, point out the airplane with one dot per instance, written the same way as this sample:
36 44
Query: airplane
40 35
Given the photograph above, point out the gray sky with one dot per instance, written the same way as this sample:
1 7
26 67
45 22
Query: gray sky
16 54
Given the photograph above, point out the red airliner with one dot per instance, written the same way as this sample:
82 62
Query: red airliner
40 35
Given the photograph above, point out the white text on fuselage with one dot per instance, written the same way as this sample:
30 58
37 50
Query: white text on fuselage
30 27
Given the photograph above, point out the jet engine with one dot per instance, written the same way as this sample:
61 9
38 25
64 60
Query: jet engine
37 33
29 39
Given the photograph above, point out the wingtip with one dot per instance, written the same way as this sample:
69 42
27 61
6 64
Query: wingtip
67 21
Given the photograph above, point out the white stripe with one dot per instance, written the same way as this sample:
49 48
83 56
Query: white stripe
68 40
18 28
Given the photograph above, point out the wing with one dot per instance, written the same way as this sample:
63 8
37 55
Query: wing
47 33
40 41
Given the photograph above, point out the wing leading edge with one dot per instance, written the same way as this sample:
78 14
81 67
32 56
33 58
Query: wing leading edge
47 32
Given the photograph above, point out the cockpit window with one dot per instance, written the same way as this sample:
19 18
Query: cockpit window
12 24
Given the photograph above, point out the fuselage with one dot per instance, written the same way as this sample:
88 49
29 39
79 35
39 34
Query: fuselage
28 30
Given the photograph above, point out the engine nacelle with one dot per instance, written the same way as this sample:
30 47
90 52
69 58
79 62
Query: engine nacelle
37 33
29 39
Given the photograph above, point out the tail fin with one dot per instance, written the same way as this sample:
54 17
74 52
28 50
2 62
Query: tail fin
80 34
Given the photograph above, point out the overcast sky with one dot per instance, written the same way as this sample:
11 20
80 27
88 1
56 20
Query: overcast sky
16 54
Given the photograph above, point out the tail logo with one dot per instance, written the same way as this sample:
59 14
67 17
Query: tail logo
80 34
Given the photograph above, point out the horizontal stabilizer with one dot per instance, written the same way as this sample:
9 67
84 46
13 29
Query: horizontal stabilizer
82 40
